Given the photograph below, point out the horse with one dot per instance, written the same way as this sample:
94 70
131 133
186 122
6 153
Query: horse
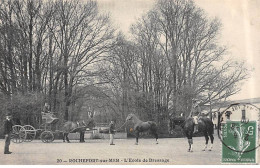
205 125
72 127
141 126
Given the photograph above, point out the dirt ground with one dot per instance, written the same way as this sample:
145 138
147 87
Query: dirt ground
168 151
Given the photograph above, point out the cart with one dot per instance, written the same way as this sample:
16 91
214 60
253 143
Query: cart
27 133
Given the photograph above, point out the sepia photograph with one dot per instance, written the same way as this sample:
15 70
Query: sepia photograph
129 82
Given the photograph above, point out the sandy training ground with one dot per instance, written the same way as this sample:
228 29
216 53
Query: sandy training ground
168 151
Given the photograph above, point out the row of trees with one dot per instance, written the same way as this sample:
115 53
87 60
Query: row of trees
172 58
68 54
47 48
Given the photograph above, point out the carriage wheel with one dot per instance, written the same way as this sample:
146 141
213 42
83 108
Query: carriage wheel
18 134
47 136
30 133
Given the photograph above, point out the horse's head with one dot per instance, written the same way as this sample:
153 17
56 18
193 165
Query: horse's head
88 124
130 117
91 123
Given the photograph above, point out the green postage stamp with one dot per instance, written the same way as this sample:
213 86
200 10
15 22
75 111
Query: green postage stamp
240 141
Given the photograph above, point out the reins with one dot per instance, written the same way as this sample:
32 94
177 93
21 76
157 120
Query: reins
121 126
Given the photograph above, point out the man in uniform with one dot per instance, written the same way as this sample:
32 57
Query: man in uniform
8 126
112 132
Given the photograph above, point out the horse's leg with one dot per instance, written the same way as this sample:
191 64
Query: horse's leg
187 135
190 141
189 144
191 147
137 136
154 132
156 137
212 140
67 138
81 139
207 140
63 136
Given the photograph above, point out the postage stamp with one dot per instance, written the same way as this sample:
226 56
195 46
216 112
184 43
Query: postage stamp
239 142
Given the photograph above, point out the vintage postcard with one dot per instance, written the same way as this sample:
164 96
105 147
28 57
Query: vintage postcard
129 82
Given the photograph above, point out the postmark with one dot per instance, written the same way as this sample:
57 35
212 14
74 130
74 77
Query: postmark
239 142
239 131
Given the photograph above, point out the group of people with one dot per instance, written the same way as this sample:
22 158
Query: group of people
8 124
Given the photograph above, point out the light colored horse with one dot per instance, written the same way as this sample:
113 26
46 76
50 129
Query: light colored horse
141 126
72 127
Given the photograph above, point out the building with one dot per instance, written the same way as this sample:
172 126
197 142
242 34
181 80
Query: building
239 110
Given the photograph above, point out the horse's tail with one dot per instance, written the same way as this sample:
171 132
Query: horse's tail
211 127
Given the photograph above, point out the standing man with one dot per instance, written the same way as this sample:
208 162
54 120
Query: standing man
8 126
112 132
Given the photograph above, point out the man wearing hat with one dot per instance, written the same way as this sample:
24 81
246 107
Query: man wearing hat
112 132
7 132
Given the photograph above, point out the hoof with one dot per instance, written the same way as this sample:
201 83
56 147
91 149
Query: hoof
68 141
203 150
191 150
210 149
157 143
188 150
136 143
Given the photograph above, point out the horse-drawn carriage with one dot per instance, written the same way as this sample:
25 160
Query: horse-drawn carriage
27 133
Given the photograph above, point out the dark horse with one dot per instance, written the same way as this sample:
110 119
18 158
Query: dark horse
205 126
141 126
72 127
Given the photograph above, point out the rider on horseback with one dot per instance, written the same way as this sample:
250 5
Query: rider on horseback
195 113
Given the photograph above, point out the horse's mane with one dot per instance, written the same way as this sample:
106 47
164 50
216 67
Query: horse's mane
133 114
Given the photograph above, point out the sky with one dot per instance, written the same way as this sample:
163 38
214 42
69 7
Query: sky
240 30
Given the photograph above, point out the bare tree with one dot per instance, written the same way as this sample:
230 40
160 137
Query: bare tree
176 58
82 35
49 47
189 41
